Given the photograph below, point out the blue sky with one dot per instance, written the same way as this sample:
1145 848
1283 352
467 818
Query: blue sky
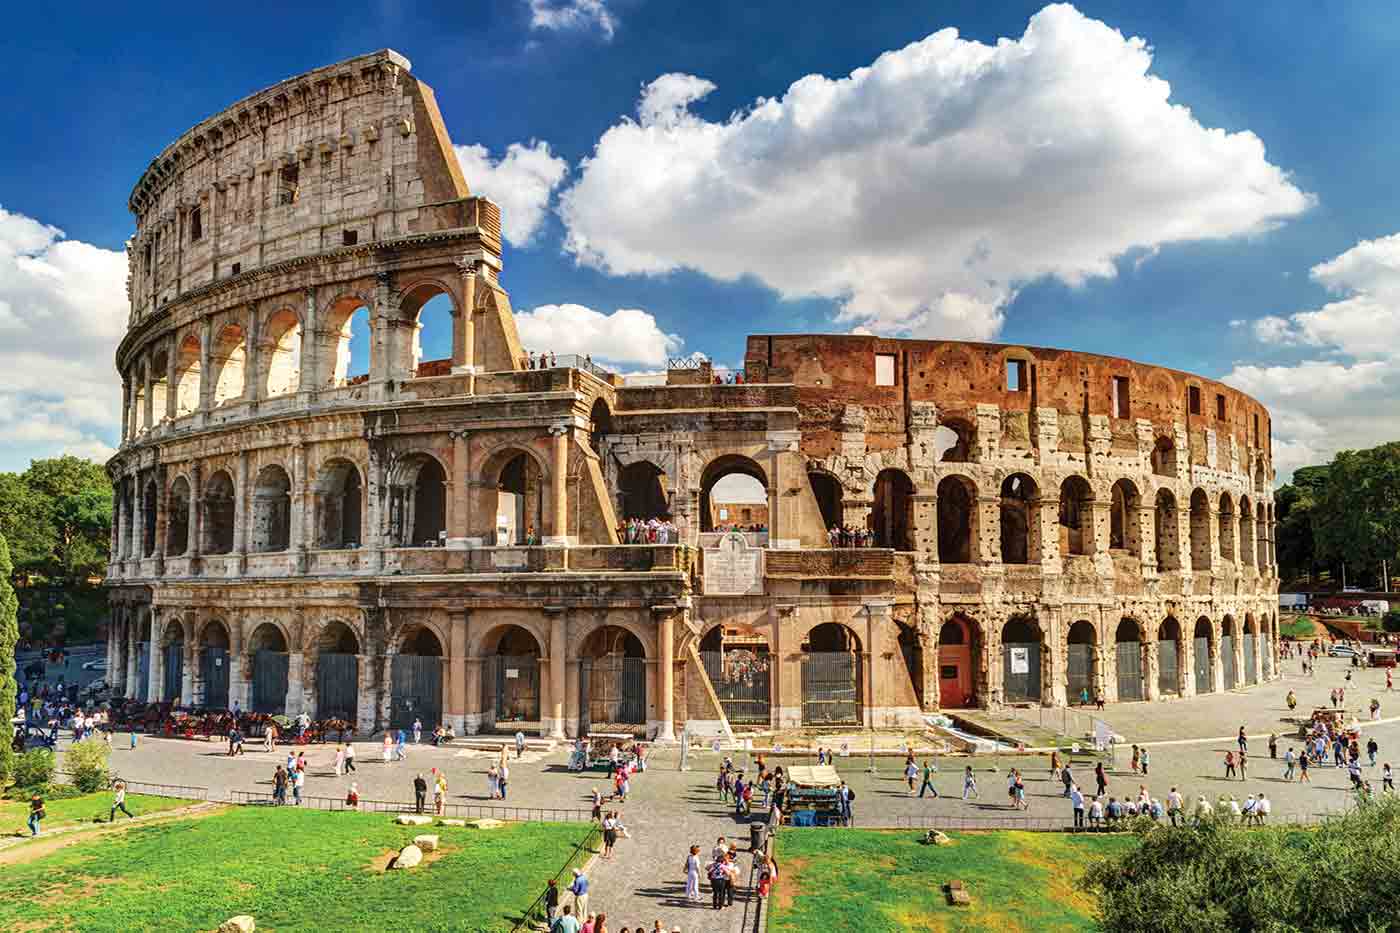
1204 282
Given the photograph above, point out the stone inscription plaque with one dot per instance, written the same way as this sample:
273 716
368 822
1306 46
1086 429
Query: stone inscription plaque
733 568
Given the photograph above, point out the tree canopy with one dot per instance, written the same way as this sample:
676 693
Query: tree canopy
57 516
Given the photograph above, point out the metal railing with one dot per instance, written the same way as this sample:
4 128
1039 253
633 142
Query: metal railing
585 848
450 810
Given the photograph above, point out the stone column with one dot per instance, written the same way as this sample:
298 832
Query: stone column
457 675
665 636
558 681
457 526
559 519
464 325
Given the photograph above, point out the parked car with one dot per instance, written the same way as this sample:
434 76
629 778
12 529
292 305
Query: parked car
96 664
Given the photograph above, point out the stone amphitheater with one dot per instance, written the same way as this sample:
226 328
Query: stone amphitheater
313 518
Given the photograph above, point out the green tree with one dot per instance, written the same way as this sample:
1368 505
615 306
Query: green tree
9 635
1357 515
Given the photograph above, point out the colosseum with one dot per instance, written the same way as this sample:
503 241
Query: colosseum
311 517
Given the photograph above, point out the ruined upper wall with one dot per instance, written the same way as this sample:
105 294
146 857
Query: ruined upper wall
832 372
352 153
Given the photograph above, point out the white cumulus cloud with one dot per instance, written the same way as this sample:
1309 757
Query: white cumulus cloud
1347 394
923 190
63 310
556 15
627 335
521 182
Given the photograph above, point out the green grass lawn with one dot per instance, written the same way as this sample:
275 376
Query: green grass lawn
869 881
14 814
291 869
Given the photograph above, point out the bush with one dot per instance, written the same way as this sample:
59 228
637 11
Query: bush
87 762
34 767
1391 621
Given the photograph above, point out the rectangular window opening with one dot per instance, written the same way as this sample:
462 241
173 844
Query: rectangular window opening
350 237
884 369
1219 407
1193 399
196 227
1015 375
1120 397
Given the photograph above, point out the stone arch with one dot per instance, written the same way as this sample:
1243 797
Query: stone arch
1200 530
281 353
177 524
1020 538
715 471
960 642
1076 522
828 492
339 504
1227 527
1124 503
219 509
641 491
1083 672
227 359
957 520
272 510
417 500
187 376
1167 525
892 512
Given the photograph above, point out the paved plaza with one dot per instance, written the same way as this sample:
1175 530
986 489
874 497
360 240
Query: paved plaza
670 809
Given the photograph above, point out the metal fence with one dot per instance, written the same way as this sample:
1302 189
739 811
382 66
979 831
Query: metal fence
456 811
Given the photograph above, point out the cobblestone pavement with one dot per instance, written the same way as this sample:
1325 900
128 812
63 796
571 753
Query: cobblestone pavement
669 809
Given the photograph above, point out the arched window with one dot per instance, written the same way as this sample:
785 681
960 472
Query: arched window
957 501
1018 492
1076 517
891 515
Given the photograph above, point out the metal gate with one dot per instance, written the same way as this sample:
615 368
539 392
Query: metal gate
511 688
270 681
1201 649
1227 660
1250 677
1167 668
740 678
1020 666
614 690
337 686
1129 656
174 671
143 670
416 691
830 689
1081 672
213 673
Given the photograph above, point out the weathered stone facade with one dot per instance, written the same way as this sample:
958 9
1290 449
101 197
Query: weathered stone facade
438 539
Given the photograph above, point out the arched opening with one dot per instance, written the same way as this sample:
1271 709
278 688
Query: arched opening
892 513
510 680
1020 660
599 425
160 386
1123 531
177 523
738 665
1128 653
1169 651
1164 457
641 490
346 353
219 503
339 501
268 649
173 661
959 647
150 497
520 501
272 510
227 360
954 439
1246 551
281 352
1227 528
1018 494
828 493
213 666
337 673
614 680
416 680
1200 531
1076 517
831 676
432 314
1230 675
1168 532
187 376
1201 640
418 502
733 494
1082 663
1251 668
957 499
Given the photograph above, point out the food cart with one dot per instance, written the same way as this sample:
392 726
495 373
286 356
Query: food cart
811 798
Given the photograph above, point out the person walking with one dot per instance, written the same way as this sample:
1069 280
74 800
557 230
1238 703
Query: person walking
36 814
692 875
349 757
969 784
420 793
927 784
119 802
1076 800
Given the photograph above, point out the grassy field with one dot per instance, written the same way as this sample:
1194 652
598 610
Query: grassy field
867 881
14 814
291 869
